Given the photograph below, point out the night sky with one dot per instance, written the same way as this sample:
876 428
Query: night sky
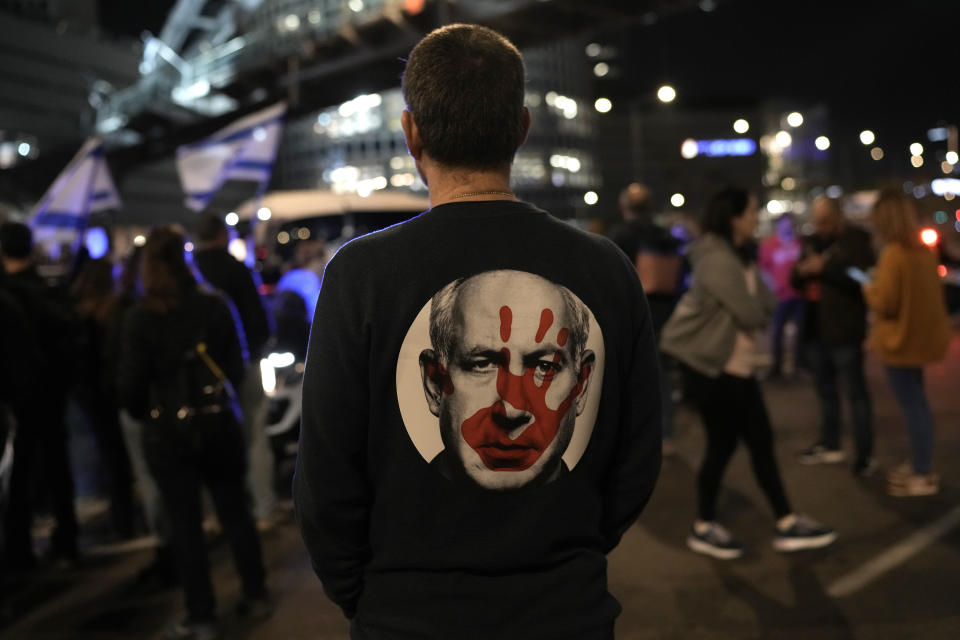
874 64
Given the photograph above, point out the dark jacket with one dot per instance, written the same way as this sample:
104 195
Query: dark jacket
641 236
224 272
19 352
47 312
836 313
153 345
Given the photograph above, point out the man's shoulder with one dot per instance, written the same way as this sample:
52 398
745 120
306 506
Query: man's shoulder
218 258
370 245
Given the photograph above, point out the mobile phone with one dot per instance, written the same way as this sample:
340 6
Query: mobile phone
858 274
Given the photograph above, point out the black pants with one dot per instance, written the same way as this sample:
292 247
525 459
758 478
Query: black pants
102 414
732 409
41 472
215 459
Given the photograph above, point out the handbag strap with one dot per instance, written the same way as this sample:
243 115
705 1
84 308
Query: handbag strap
201 349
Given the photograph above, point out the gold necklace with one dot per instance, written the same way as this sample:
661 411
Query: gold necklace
483 193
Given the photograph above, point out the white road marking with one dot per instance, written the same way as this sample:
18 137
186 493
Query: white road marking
895 555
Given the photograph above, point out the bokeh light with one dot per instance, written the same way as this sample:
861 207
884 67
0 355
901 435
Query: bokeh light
783 139
666 93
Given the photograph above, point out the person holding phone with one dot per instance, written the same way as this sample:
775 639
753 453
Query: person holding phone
911 329
834 329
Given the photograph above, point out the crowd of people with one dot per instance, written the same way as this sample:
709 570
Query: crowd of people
163 363
509 399
840 300
129 350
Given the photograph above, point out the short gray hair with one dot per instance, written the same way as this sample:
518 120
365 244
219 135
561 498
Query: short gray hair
443 323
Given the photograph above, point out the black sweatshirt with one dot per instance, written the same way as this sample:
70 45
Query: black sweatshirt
496 536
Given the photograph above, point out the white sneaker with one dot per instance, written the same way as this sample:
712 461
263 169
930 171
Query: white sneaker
715 541
803 533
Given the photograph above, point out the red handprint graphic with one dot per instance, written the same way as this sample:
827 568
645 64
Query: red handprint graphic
512 433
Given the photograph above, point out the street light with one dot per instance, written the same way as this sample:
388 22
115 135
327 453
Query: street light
795 119
689 149
741 126
666 93
867 137
822 143
603 105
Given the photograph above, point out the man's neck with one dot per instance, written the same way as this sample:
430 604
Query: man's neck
462 185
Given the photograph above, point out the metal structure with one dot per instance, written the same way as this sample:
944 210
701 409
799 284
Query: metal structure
216 57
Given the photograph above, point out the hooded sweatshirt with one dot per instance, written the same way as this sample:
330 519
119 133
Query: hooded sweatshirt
719 305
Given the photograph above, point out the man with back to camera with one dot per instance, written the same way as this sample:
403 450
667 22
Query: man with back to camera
224 272
42 438
834 328
657 256
481 410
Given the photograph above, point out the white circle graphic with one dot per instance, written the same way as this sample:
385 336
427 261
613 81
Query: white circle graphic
529 320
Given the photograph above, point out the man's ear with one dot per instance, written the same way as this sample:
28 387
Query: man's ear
587 362
436 380
411 133
526 127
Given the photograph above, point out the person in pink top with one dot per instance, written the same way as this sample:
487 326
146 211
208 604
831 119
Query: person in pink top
778 253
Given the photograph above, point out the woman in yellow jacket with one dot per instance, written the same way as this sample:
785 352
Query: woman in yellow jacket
910 330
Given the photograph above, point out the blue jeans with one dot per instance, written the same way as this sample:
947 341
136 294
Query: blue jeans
907 386
842 365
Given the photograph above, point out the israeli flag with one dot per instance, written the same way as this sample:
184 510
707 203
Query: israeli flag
83 187
244 150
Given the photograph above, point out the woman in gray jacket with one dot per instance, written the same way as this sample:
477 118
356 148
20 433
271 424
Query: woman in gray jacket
712 333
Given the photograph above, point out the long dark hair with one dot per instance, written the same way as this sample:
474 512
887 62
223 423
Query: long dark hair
166 275
93 290
722 208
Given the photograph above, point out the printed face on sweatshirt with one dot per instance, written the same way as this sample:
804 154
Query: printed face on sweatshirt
507 373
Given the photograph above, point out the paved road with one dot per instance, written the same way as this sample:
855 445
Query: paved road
894 572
